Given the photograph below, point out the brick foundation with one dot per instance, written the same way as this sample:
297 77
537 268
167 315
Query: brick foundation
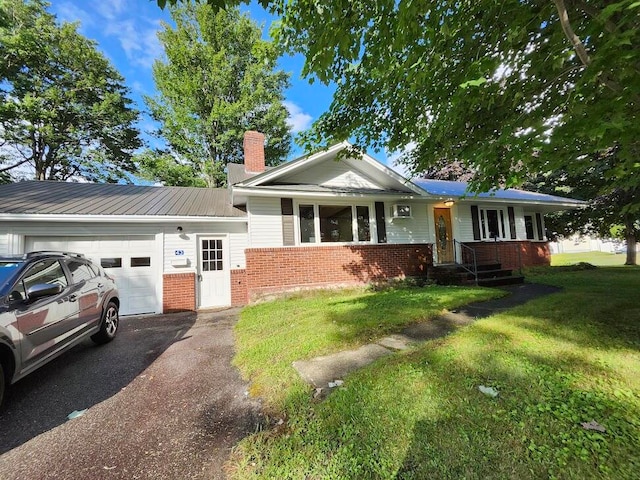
279 269
511 253
178 292
239 288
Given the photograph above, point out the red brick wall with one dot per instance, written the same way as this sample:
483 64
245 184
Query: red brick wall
178 292
511 253
239 288
279 269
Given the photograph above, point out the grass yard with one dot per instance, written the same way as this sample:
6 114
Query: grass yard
594 258
556 362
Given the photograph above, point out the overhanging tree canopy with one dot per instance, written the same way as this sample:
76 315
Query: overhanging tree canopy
509 88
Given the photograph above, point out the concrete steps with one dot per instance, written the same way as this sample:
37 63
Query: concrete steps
489 275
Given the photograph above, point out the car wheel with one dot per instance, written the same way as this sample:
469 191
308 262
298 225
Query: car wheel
108 326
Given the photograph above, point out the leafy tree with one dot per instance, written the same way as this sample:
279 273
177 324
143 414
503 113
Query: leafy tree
511 88
602 216
218 81
64 110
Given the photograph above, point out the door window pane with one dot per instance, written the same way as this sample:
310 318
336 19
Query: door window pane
336 223
211 252
364 230
45 271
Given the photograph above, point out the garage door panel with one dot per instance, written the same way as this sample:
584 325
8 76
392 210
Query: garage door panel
136 285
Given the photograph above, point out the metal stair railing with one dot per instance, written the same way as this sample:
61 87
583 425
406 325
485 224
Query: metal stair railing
467 258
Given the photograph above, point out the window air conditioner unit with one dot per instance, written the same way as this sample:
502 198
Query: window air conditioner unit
401 211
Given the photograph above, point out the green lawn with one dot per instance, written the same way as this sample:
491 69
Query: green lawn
558 361
594 258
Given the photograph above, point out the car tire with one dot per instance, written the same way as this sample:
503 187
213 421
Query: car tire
108 325
2 383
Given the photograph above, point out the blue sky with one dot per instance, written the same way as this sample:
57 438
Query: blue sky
125 31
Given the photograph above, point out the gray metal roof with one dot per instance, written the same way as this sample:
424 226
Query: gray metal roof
64 198
237 174
448 188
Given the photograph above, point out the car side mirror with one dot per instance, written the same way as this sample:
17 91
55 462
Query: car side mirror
40 290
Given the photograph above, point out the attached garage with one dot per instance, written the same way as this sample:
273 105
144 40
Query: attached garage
131 260
168 248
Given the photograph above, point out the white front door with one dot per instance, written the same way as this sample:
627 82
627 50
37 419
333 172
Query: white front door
214 275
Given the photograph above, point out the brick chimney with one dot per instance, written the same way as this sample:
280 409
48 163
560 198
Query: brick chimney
253 152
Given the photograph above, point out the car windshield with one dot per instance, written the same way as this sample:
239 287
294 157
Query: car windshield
7 269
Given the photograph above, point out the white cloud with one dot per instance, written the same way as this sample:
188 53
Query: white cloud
298 120
140 44
110 9
67 12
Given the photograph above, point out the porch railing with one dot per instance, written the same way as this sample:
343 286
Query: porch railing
465 257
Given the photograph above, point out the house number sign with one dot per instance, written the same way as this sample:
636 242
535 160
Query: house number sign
179 253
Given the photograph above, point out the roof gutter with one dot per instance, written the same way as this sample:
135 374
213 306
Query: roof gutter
29 217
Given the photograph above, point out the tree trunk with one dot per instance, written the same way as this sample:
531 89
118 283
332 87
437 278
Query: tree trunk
630 237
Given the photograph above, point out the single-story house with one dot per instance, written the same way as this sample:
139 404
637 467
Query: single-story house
311 222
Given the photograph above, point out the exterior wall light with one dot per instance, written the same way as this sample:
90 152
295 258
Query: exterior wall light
449 202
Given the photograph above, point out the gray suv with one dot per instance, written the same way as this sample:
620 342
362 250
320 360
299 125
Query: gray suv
49 302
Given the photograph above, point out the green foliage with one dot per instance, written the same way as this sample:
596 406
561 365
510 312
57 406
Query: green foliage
64 110
613 208
218 81
557 362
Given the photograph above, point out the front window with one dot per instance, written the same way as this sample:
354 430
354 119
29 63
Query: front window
492 223
334 223
528 225
307 224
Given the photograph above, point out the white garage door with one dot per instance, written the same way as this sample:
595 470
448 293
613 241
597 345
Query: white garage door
131 260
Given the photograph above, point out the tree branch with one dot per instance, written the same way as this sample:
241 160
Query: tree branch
21 162
568 31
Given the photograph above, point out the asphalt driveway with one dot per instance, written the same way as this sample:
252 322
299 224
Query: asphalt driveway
162 400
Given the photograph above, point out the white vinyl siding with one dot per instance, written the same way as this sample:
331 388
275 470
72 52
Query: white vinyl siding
186 242
4 243
237 244
463 223
521 232
408 230
265 222
334 174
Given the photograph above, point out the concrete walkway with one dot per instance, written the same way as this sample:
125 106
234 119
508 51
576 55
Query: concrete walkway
323 372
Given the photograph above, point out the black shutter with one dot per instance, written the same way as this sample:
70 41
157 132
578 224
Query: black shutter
380 222
512 222
288 233
539 226
475 220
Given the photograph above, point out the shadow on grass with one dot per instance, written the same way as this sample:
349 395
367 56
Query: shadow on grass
373 316
556 362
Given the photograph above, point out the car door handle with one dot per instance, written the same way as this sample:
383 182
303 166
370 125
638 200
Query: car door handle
73 298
